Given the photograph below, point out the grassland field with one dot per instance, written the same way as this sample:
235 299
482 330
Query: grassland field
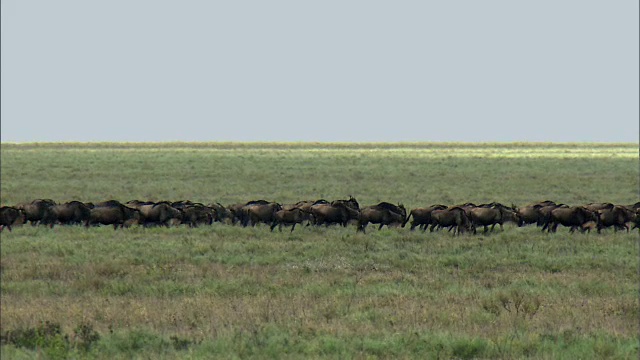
231 292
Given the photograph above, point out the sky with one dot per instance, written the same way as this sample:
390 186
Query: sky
321 71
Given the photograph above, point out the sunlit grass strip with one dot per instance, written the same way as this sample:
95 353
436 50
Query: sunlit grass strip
621 151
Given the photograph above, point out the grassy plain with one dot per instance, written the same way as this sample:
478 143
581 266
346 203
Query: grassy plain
231 292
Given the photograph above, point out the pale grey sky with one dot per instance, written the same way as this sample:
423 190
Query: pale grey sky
471 70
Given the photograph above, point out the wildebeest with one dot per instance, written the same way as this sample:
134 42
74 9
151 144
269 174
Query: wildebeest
9 215
545 214
260 211
383 213
288 217
338 213
422 216
529 214
616 216
573 217
70 213
636 220
161 213
196 214
491 214
113 215
235 211
350 203
220 213
453 217
305 206
238 214
36 210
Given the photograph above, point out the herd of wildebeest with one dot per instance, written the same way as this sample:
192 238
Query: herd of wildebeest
461 218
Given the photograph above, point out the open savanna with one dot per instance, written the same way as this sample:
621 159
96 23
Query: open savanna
230 292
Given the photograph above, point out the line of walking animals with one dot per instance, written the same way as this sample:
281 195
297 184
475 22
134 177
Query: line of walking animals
458 218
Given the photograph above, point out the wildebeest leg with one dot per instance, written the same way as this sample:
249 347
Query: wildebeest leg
545 226
293 227
621 227
380 227
549 227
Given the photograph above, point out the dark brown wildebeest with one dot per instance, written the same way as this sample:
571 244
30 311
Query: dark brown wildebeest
235 211
9 215
617 216
334 213
573 217
221 213
36 210
113 215
350 203
545 214
529 214
534 213
422 216
636 220
238 213
289 217
196 214
305 206
259 212
491 214
383 213
161 214
70 213
455 218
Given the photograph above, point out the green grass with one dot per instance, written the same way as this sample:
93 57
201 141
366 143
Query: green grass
232 292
